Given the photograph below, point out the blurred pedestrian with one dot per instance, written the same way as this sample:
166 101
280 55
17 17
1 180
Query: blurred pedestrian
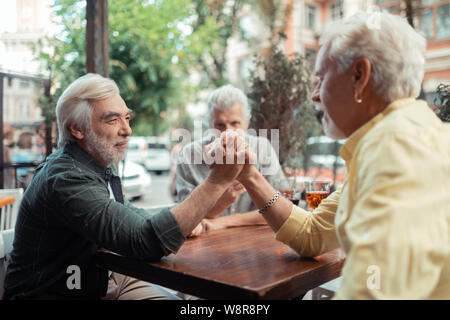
25 154
8 145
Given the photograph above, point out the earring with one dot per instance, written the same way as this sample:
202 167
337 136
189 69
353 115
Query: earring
358 100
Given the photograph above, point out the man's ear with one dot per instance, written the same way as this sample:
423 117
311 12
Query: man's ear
361 75
76 132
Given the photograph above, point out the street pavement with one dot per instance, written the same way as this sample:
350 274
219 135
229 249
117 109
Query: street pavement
158 194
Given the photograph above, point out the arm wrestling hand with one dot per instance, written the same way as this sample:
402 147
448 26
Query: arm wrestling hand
227 156
207 225
231 194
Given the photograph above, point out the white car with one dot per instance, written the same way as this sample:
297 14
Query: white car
136 149
158 157
136 181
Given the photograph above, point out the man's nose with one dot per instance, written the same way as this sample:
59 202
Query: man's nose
125 130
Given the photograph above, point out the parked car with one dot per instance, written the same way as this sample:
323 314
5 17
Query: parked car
136 181
324 152
137 149
158 158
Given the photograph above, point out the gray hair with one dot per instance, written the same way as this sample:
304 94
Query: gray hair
395 50
224 98
75 104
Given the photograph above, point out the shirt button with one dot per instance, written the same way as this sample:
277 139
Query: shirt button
108 171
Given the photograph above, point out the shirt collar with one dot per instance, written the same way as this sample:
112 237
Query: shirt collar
350 145
79 154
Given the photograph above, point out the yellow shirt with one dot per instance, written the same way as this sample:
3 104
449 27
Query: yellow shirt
392 214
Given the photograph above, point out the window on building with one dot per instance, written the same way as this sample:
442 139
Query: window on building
434 19
429 2
391 6
443 22
393 9
433 16
311 16
24 84
11 110
24 110
337 10
427 22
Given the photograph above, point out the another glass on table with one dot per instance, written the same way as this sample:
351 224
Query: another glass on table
288 190
316 191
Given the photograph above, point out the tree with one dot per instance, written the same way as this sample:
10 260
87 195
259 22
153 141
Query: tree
279 98
274 14
214 22
148 56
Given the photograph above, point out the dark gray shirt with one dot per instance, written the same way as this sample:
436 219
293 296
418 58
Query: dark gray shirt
66 215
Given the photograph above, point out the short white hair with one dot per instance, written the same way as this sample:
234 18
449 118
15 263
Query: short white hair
225 97
395 50
75 106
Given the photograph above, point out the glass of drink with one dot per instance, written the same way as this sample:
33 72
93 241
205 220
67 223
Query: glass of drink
287 189
316 191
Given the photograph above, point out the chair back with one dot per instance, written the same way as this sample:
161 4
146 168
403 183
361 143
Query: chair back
6 245
9 205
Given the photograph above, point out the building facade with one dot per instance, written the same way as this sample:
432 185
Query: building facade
308 17
29 21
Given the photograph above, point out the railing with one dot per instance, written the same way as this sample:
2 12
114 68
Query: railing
17 165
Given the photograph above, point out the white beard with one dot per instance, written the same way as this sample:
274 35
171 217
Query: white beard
104 149
330 128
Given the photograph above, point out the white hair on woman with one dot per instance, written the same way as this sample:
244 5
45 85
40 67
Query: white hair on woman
395 50
226 97
75 104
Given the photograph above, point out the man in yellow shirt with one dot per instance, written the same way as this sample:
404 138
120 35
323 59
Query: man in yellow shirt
392 215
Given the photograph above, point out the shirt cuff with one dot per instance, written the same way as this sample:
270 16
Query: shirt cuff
292 225
168 231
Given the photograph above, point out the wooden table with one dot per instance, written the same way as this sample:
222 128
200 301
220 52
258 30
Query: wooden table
234 263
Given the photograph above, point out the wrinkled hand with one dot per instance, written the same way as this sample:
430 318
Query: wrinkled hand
207 225
227 156
231 194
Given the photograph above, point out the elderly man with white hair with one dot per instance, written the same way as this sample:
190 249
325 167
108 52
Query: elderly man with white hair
227 110
74 206
392 215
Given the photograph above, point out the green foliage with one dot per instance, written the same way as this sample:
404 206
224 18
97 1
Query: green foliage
214 22
153 47
143 43
443 101
280 100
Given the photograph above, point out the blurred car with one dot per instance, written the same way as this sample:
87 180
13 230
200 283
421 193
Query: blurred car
136 181
136 149
324 152
158 158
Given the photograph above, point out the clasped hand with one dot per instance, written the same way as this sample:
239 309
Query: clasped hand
227 156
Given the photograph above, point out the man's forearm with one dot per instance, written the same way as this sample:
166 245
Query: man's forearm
216 210
249 218
202 200
260 191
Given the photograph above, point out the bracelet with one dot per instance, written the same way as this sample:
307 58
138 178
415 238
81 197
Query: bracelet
270 203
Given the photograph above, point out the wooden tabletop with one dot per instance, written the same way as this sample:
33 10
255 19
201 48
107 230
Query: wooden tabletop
234 263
